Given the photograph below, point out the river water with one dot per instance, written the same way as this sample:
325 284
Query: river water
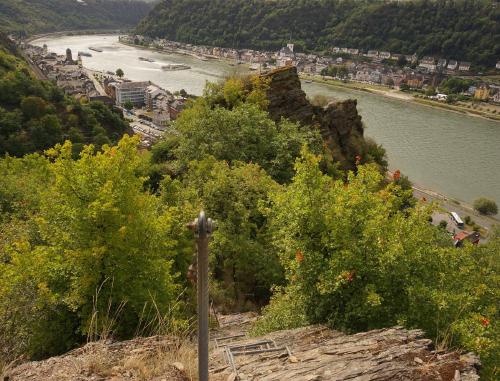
450 153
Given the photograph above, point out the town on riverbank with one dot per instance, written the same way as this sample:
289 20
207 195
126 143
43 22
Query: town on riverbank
148 107
448 83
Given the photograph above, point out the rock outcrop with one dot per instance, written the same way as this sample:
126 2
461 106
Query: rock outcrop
339 122
152 358
318 353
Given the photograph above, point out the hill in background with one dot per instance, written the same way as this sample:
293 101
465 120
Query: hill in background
36 16
465 30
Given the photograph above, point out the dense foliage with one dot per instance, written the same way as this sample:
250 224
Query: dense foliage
354 260
37 16
457 29
486 206
35 115
90 247
97 245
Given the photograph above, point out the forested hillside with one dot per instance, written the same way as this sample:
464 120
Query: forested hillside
460 29
36 16
96 246
35 115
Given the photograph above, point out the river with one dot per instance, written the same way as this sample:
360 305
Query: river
450 153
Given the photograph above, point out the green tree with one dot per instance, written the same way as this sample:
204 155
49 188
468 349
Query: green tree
33 107
119 73
486 206
244 262
128 105
355 261
245 133
97 232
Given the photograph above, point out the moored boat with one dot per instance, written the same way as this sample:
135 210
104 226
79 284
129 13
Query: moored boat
170 67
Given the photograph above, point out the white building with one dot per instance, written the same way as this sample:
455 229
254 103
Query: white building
151 96
134 92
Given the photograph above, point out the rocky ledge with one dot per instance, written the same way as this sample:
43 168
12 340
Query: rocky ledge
339 122
318 353
152 358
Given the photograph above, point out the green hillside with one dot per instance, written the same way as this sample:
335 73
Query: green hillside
35 115
34 16
461 29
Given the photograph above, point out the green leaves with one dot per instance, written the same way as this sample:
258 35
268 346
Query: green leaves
96 230
355 260
244 133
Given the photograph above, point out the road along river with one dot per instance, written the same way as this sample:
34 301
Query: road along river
450 153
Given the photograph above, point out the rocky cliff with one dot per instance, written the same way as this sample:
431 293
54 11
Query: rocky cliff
339 122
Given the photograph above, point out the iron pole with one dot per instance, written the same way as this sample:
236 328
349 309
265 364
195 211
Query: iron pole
203 228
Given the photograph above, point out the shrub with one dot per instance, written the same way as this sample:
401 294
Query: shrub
355 261
486 206
443 224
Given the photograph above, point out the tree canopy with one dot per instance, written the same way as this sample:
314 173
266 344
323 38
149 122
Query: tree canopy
35 115
38 16
455 29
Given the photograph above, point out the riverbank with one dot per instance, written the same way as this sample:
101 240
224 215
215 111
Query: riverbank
446 205
402 96
178 52
78 32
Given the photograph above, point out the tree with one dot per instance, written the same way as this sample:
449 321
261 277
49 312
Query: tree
486 206
128 105
245 133
243 260
355 261
119 73
102 244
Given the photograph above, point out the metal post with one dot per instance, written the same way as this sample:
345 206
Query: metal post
203 228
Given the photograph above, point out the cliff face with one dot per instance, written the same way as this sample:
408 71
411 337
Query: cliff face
339 122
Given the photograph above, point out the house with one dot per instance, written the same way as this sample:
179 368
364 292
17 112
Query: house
375 76
471 90
372 54
415 81
452 65
286 51
441 64
161 118
428 63
355 52
413 58
151 95
461 237
482 93
385 55
464 66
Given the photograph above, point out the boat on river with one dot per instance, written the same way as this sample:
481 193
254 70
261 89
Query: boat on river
146 59
171 67
95 49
